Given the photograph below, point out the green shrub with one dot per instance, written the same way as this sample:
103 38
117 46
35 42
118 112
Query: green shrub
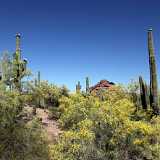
106 129
76 108
47 95
18 139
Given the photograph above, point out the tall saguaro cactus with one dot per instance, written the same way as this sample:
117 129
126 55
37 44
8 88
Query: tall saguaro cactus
19 65
39 83
38 99
39 77
153 75
87 85
143 93
78 87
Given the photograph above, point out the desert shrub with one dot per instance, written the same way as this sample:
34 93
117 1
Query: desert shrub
76 144
18 139
76 108
120 136
100 130
46 95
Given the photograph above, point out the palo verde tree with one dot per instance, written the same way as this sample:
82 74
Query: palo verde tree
6 69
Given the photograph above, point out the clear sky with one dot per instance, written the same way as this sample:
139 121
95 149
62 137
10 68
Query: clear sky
68 40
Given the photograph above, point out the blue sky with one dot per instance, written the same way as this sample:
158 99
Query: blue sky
68 40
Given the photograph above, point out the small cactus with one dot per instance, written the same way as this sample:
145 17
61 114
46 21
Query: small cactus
39 78
87 85
143 93
78 87
39 82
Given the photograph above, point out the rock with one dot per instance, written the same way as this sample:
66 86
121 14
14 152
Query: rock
103 84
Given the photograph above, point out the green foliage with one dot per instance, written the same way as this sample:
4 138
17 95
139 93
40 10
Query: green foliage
109 129
110 125
133 89
64 91
48 94
18 139
19 71
6 69
76 108
75 144
14 69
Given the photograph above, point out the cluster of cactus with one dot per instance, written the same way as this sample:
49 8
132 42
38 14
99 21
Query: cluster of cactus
78 87
153 96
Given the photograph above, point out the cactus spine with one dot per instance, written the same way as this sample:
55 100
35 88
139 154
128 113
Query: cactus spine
153 75
87 85
78 87
143 93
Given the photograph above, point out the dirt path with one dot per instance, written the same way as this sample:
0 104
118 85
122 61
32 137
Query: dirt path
51 126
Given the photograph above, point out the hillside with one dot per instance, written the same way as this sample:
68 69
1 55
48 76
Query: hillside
43 121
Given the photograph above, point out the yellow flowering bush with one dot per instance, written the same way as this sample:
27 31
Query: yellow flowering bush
74 144
77 108
108 129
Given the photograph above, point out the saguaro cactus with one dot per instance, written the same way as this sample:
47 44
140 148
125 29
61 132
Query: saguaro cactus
19 65
87 85
39 82
143 93
38 99
78 87
153 75
39 77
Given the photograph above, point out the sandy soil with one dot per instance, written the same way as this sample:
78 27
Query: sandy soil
50 126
